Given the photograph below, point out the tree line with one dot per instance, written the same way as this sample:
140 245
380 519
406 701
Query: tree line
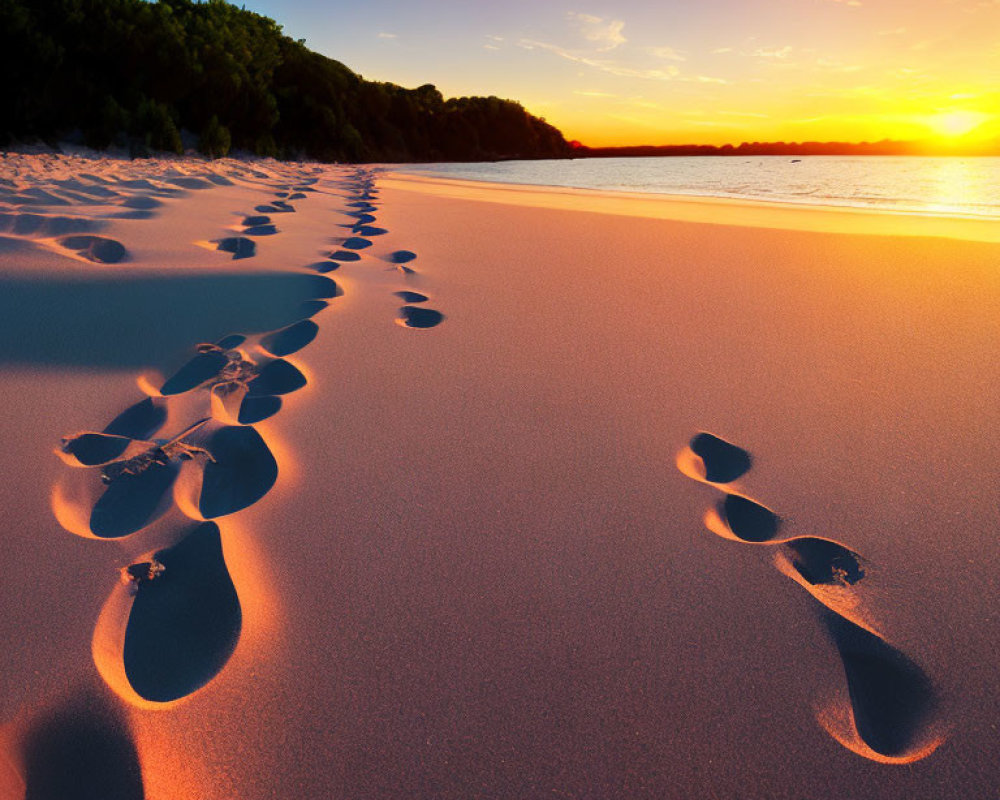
156 75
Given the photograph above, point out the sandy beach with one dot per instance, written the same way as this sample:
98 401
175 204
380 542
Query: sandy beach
332 482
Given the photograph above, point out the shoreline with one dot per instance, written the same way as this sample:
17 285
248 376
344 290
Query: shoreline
777 215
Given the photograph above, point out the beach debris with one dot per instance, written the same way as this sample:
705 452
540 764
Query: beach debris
235 373
157 454
134 575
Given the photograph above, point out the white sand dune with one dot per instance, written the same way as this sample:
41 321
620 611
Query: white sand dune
478 570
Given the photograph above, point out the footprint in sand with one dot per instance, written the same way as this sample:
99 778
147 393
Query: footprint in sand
417 317
81 750
182 615
888 713
239 246
411 297
132 489
185 620
344 255
275 207
258 225
241 471
400 258
356 243
290 340
96 248
887 710
368 230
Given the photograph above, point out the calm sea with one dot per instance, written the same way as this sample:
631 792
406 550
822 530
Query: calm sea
948 186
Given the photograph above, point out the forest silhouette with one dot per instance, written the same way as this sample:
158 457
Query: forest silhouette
175 73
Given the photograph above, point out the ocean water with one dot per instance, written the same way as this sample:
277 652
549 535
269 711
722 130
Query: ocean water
939 186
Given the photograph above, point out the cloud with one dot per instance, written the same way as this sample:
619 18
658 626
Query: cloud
388 36
851 3
780 53
594 94
720 50
606 34
666 53
604 65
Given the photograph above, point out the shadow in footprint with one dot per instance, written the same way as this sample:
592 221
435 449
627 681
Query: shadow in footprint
239 246
324 267
356 243
416 317
92 449
139 421
277 377
344 255
255 409
402 257
231 341
195 372
291 339
132 501
242 472
82 752
309 308
96 248
411 297
253 221
748 520
141 202
185 623
724 462
892 700
823 562
367 230
321 288
261 230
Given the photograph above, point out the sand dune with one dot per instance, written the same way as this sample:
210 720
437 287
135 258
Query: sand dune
547 494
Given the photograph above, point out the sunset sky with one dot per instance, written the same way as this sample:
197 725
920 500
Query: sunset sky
676 71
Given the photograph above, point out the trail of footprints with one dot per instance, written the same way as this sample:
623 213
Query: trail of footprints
362 195
185 456
887 711
189 454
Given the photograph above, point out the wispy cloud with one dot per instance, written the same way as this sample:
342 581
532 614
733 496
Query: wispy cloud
388 36
667 53
604 65
851 3
780 53
720 50
605 33
594 94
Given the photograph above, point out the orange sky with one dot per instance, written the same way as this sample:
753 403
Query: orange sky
675 71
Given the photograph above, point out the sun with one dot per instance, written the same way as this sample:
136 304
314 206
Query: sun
956 123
